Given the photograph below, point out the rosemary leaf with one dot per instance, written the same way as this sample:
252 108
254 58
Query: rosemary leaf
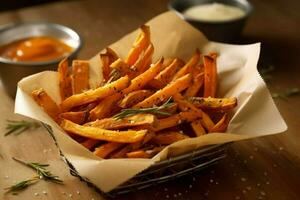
41 170
18 127
154 110
21 185
287 93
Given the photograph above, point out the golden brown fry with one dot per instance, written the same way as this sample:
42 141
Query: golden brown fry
78 117
210 76
168 137
107 58
188 67
131 121
222 125
198 128
104 150
176 119
46 102
95 94
165 76
140 44
185 105
138 154
65 82
133 146
140 81
104 108
90 143
102 134
122 67
214 104
144 60
195 87
80 77
163 94
134 97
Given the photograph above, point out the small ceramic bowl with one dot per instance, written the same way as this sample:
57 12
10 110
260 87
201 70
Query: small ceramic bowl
12 71
222 31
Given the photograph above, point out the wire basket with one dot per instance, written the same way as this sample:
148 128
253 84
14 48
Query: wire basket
162 171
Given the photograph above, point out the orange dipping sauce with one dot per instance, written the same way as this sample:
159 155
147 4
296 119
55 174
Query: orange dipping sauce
40 48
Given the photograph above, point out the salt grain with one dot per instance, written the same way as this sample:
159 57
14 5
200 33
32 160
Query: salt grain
237 197
44 192
244 191
77 192
243 179
166 189
265 173
280 148
251 157
274 165
268 183
167 196
255 149
36 194
263 193
211 180
70 195
248 188
190 186
6 177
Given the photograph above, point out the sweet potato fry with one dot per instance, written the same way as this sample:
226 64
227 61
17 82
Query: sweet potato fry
138 154
107 58
104 108
214 104
96 94
195 87
174 120
185 105
90 143
134 97
168 137
210 76
122 67
222 125
104 150
198 128
80 77
188 67
65 82
133 146
165 76
127 122
78 117
144 60
140 81
102 134
46 102
163 94
140 44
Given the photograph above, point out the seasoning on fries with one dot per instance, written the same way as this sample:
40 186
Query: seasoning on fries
142 105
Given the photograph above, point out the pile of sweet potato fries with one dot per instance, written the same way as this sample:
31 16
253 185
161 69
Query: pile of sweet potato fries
140 107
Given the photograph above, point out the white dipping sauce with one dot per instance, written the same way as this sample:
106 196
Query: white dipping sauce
214 12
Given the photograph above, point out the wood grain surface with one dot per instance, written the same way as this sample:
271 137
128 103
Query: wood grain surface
263 168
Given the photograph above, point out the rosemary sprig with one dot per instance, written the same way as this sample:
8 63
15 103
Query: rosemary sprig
41 170
287 93
154 110
18 127
266 72
21 185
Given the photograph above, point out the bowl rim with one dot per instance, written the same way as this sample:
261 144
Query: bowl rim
68 30
193 20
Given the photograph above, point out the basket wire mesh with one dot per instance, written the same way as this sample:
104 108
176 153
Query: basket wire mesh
162 171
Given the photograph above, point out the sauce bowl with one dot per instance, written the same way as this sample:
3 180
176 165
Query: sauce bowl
221 31
12 71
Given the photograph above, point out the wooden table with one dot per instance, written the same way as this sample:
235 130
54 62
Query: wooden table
263 168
